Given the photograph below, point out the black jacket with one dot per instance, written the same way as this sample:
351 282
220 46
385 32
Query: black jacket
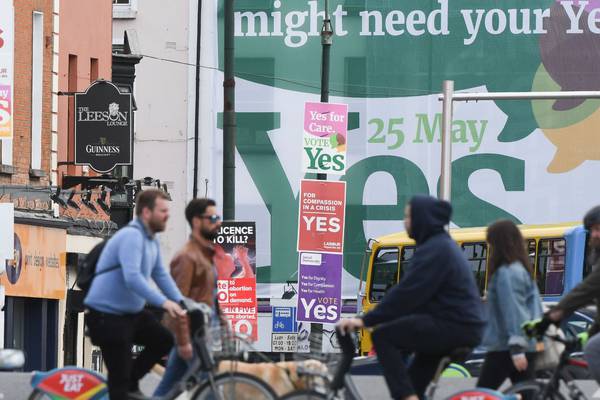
588 291
438 281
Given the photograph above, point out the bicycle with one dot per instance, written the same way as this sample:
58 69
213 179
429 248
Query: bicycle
549 388
201 379
341 385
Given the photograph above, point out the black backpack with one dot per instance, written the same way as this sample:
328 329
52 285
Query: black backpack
86 269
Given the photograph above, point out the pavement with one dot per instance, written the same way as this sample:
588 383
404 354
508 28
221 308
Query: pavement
15 386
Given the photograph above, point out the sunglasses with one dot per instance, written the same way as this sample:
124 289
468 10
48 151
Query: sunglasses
212 218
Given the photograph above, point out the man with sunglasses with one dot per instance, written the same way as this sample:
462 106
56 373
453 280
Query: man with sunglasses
194 273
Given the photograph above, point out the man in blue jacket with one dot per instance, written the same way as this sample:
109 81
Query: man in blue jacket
115 315
434 309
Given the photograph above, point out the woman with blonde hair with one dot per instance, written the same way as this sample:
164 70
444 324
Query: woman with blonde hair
512 299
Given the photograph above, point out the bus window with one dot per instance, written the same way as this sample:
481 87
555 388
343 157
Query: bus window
530 246
551 266
384 273
405 256
476 253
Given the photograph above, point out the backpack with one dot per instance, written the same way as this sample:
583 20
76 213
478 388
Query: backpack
86 269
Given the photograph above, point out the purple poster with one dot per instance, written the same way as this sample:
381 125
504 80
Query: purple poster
320 287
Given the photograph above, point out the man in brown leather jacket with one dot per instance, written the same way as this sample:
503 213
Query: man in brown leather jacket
194 272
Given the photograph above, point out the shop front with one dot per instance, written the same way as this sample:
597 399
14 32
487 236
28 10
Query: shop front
35 284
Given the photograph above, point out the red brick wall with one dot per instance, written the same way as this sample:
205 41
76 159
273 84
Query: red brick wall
22 93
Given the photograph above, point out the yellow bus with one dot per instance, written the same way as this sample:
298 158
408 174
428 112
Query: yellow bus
557 253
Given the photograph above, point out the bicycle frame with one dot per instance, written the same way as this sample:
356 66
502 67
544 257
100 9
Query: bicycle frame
342 380
82 384
559 374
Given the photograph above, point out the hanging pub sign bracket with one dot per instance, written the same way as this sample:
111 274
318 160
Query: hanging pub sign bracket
103 127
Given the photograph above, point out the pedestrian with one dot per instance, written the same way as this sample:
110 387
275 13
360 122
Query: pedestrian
433 310
585 293
512 299
115 315
194 272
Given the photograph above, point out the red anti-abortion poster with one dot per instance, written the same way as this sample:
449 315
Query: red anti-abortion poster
321 216
236 270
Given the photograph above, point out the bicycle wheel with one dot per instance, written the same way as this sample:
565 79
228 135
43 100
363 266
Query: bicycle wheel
533 390
304 395
235 385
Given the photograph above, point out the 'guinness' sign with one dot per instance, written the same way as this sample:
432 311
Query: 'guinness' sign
103 127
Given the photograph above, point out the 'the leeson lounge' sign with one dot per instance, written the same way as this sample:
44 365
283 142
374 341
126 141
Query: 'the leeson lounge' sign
103 127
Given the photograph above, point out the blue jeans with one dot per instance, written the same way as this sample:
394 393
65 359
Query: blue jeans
176 368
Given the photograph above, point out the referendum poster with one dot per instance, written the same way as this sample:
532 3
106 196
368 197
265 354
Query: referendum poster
533 162
7 46
236 276
324 139
321 216
320 287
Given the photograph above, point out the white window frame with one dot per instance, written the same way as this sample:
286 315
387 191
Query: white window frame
125 11
37 88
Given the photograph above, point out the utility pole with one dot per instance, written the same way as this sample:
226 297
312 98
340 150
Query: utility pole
197 103
316 330
229 120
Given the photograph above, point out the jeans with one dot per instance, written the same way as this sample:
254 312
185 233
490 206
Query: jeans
176 368
115 335
498 366
429 339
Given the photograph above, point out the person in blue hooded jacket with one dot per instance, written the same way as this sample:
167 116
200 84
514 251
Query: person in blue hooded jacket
433 310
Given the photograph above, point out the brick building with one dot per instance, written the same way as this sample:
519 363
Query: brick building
46 47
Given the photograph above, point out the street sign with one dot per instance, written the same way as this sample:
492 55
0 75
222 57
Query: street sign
284 320
321 216
284 342
103 128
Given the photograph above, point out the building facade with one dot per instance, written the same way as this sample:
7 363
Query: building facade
40 40
164 99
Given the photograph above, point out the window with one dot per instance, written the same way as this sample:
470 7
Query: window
530 245
72 87
384 273
550 272
124 9
37 69
405 257
476 253
93 69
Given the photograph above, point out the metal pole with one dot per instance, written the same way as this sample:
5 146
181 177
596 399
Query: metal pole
326 40
316 330
229 120
446 174
524 96
197 111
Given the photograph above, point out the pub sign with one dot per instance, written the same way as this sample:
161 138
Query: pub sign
103 128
